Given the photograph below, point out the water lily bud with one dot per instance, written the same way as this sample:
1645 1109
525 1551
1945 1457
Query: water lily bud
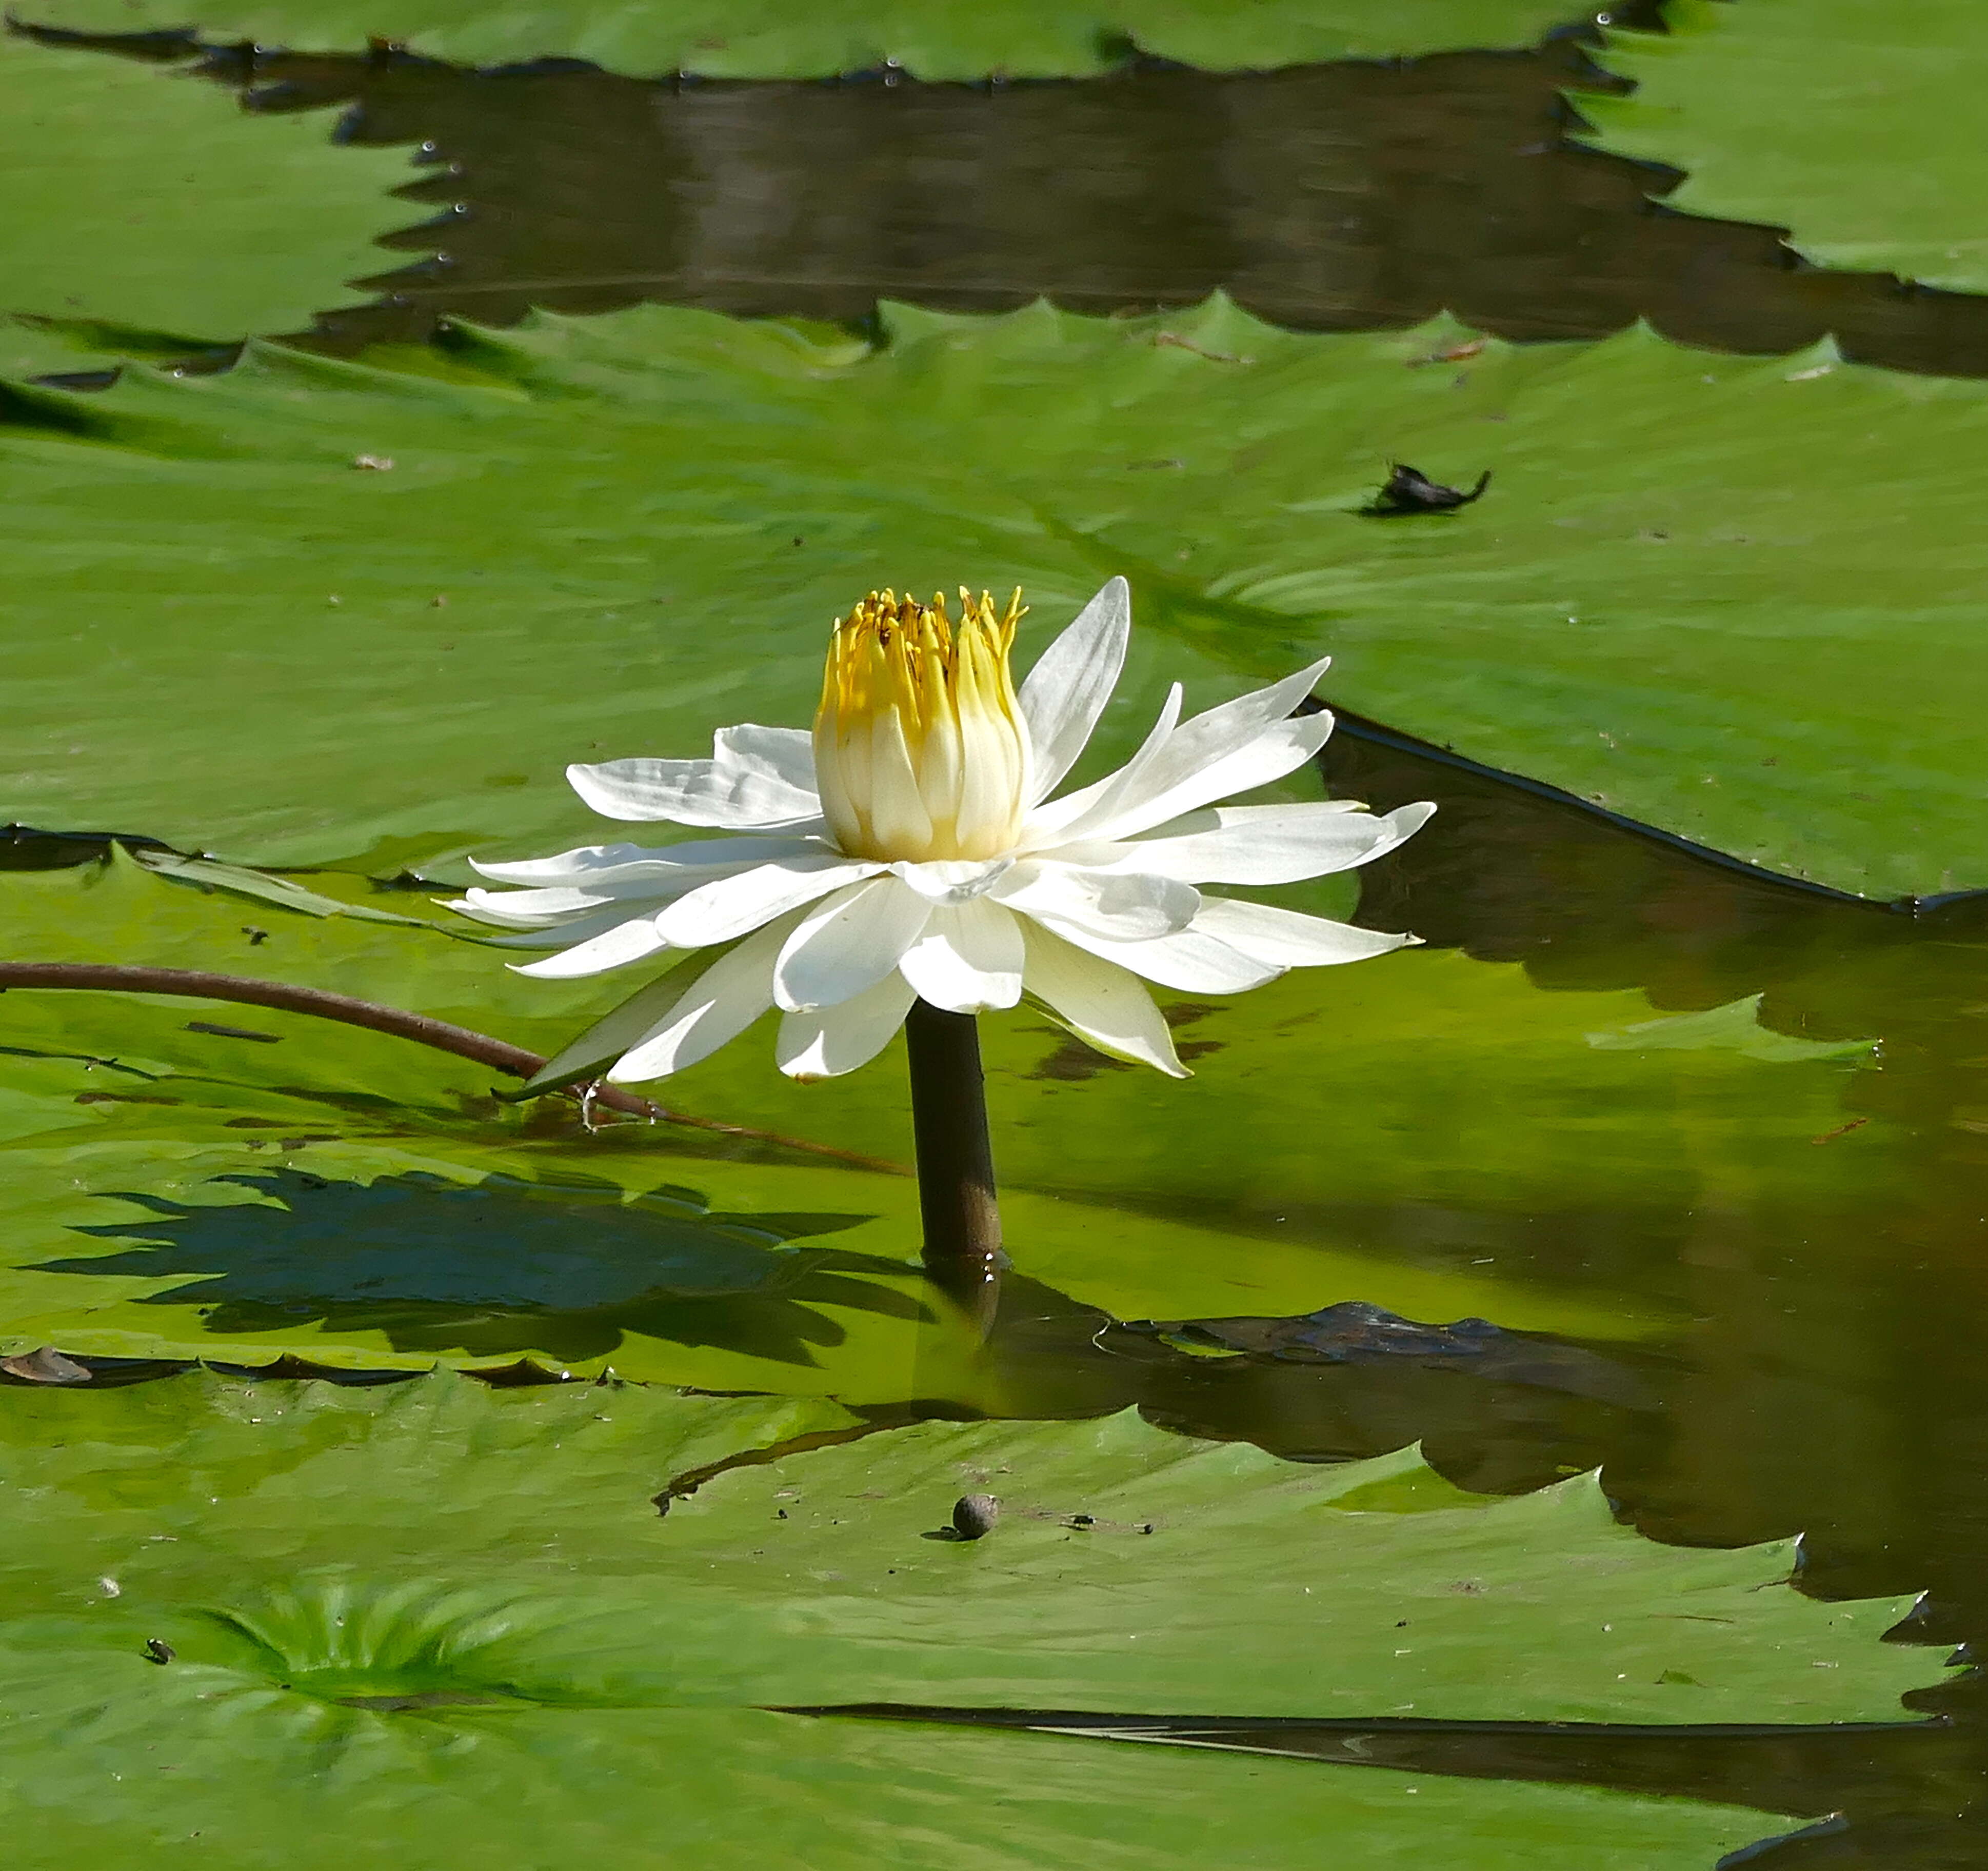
921 750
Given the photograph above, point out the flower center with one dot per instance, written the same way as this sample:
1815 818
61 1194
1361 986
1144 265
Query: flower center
920 749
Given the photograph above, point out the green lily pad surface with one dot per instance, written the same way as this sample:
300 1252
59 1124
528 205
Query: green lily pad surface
433 1611
191 1177
806 39
1849 121
147 210
1738 599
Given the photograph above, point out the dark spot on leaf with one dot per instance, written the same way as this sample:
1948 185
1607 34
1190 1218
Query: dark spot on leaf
1410 491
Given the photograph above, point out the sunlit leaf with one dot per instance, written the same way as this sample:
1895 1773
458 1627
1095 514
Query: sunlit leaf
815 39
1849 121
1736 598
143 201
431 1610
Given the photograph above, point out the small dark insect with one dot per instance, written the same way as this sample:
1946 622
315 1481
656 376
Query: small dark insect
1410 491
256 937
1083 1520
974 1515
159 1650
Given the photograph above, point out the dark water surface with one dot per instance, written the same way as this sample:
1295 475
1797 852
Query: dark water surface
1828 1375
1336 197
1829 1379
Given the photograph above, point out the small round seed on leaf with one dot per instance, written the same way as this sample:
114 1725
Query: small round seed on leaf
974 1515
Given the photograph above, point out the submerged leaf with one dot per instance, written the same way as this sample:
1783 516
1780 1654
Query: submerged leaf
175 1188
1734 1027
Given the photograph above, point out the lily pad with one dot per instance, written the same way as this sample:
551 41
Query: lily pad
804 39
148 213
1734 598
192 1178
306 1621
1848 122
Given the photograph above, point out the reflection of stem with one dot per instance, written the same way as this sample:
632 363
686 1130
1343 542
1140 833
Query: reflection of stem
439 1034
956 1160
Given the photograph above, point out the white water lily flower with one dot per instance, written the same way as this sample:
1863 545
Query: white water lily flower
911 848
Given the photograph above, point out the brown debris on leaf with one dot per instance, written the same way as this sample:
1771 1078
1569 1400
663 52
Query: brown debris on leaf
45 1365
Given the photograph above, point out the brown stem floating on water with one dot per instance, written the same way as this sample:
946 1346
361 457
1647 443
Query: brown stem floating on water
962 1220
198 984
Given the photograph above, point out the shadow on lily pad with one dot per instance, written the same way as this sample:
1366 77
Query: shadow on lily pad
498 1267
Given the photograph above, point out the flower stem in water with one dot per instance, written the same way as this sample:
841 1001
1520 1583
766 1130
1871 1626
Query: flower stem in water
962 1222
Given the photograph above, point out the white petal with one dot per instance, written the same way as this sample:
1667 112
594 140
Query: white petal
1192 768
563 935
480 906
1073 816
732 993
612 863
1224 730
786 753
954 880
898 816
1118 906
521 909
1275 752
740 787
721 910
1101 1004
564 867
530 909
1261 844
533 934
1287 938
828 1041
848 943
1073 679
642 1013
1193 960
968 960
627 942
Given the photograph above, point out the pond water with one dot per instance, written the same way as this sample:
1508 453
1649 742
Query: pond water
1761 1184
1339 197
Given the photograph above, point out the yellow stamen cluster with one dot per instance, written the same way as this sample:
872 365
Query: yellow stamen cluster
920 751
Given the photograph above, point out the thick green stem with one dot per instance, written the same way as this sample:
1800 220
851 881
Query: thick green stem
962 1221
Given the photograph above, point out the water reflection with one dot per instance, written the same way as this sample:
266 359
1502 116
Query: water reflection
1827 1378
1334 197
